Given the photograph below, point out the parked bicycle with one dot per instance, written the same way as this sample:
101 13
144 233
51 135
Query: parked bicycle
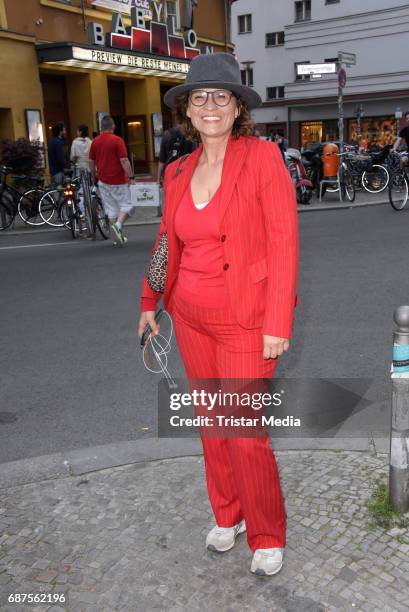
399 182
24 203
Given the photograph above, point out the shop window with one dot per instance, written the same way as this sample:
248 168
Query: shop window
301 77
303 10
247 77
273 93
311 133
244 24
274 39
376 131
172 10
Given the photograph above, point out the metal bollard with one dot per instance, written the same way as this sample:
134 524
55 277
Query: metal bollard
399 449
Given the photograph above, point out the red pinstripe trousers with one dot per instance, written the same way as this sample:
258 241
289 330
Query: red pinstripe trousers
241 473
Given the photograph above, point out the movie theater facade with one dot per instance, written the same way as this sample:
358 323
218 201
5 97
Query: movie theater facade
77 60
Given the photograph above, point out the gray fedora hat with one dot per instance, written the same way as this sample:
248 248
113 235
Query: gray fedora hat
215 70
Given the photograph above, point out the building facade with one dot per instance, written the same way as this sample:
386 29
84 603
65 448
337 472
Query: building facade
271 38
76 60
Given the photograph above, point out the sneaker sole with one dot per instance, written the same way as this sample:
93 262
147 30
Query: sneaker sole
118 235
261 572
213 548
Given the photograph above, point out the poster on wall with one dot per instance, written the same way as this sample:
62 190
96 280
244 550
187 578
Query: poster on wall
157 124
122 6
35 131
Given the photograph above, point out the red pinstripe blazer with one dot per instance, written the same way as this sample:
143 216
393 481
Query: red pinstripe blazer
258 233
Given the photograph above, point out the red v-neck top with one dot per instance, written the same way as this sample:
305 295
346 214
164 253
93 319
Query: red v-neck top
200 279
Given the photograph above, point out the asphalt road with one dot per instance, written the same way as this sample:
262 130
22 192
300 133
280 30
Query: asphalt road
70 364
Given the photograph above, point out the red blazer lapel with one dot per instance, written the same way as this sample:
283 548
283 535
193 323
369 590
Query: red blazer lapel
232 166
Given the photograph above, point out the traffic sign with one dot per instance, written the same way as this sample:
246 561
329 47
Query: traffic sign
347 58
308 69
342 78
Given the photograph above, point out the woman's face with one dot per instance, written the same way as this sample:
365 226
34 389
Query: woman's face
211 119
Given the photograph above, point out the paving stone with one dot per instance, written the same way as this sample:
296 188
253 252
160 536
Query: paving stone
133 539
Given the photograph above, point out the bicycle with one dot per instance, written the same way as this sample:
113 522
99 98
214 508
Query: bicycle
345 180
399 184
25 204
373 177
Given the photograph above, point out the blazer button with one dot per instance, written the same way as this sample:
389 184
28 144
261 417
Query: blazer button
223 238
226 267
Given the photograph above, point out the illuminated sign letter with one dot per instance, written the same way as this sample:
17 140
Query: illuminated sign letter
117 25
158 10
137 17
190 38
96 34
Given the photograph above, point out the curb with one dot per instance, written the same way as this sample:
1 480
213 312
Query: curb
156 221
95 458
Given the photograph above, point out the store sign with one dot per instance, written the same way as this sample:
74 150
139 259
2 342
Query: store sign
158 39
131 61
123 6
306 69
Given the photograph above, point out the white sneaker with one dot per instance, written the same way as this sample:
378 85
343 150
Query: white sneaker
267 561
221 539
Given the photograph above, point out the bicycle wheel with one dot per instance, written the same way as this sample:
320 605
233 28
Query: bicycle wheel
398 190
28 206
72 220
101 217
49 208
7 210
375 180
347 186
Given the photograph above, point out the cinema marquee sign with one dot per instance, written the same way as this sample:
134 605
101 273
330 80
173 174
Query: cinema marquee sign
114 58
157 39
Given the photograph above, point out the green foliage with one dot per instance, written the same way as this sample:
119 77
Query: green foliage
22 156
381 512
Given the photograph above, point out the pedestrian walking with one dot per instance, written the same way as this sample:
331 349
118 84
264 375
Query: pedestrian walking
80 148
173 145
108 161
79 158
230 226
56 153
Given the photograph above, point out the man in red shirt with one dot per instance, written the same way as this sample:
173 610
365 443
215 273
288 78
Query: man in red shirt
108 160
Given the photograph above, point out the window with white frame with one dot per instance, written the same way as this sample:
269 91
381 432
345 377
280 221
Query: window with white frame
275 93
244 24
274 39
247 76
172 10
302 10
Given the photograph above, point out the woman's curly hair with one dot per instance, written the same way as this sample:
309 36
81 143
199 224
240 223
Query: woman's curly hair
242 126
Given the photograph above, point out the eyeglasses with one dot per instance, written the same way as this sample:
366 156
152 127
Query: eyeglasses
221 97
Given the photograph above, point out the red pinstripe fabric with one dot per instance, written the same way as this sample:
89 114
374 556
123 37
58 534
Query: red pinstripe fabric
258 220
241 473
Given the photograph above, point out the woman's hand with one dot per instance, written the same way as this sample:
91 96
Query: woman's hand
148 318
274 346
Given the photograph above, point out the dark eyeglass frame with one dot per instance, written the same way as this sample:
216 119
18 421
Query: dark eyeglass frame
211 93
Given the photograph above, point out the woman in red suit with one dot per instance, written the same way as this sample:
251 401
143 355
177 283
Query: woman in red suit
231 224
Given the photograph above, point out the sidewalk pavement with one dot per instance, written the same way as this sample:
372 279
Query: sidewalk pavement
131 538
144 215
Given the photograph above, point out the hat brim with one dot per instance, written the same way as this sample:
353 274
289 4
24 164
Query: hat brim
250 97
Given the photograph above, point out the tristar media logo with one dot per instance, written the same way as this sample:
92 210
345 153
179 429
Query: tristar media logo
158 39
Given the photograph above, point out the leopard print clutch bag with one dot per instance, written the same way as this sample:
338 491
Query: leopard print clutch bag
158 266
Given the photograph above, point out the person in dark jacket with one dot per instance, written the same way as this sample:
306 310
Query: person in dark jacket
56 153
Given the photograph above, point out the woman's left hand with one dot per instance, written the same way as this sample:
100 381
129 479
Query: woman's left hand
274 346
